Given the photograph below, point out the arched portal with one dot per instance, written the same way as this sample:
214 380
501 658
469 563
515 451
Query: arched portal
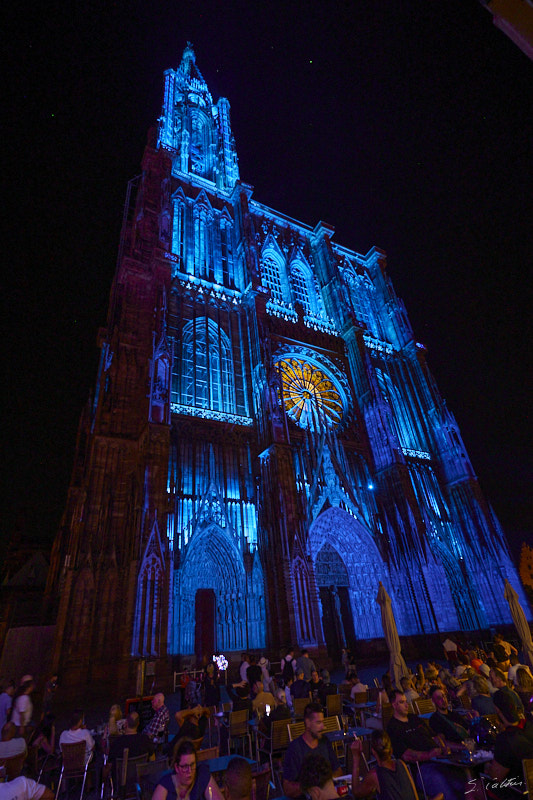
216 605
348 569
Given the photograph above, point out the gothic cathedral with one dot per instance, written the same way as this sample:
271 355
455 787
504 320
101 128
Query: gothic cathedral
265 442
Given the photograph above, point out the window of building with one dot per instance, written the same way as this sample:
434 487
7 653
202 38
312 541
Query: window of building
272 277
207 367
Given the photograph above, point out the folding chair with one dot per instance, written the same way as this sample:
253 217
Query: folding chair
75 764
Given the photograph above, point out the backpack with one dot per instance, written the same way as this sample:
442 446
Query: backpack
288 671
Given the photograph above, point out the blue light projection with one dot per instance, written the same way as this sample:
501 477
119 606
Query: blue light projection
284 342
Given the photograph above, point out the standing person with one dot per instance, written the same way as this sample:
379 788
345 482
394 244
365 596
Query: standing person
6 700
287 665
22 705
306 664
265 673
188 779
211 685
311 742
245 663
185 679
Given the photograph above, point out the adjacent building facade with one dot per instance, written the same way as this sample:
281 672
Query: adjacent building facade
265 443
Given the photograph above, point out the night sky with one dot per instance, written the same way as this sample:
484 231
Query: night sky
407 125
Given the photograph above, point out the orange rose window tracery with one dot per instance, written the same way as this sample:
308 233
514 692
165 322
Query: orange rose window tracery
311 397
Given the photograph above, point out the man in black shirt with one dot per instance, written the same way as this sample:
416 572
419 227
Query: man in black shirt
413 741
448 724
300 687
311 742
137 743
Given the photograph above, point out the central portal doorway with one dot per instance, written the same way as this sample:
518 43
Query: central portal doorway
204 629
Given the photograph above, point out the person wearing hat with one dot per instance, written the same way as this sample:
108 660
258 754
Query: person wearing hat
265 673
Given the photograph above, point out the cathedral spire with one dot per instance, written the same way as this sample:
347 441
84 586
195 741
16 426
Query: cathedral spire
194 128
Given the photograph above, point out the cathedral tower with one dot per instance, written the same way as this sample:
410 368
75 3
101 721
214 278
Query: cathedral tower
265 443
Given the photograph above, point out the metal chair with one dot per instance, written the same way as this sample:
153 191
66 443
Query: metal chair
209 752
527 767
13 765
261 782
424 705
387 712
126 774
75 764
299 704
238 729
333 704
275 745
295 729
148 776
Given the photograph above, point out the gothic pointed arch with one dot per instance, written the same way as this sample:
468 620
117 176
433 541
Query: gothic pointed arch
361 558
150 601
273 272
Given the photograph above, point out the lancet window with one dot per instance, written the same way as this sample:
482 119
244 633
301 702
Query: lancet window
300 288
207 367
178 233
148 615
272 277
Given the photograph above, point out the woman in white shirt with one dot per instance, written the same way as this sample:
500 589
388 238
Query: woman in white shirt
23 706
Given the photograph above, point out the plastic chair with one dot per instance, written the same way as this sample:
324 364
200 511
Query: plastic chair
75 764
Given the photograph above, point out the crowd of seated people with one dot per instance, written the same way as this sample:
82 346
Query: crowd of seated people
472 685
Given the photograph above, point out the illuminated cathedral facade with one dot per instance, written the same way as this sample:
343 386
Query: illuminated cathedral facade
265 442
